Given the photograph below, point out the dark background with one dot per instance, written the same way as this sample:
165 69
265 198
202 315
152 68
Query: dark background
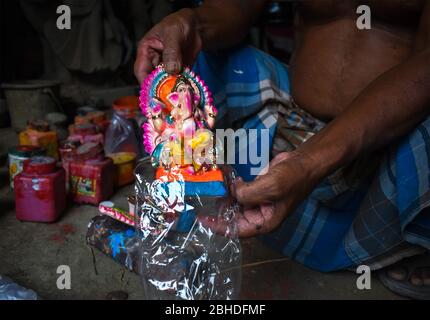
21 55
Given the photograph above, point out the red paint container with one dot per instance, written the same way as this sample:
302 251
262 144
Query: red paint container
40 193
91 175
85 132
68 155
97 118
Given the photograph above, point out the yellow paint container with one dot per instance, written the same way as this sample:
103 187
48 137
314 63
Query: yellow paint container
125 163
39 135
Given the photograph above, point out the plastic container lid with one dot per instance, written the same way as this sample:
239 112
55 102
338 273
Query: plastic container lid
56 118
97 116
68 149
82 111
40 165
127 102
89 151
26 151
38 125
68 145
85 128
127 106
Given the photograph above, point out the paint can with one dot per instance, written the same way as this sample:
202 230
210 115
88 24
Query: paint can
40 193
125 163
68 153
91 175
85 132
17 156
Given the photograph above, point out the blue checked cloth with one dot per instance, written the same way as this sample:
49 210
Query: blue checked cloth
376 219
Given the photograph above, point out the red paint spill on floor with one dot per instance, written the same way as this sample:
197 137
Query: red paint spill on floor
58 238
68 229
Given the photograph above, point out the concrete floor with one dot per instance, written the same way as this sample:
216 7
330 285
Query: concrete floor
30 254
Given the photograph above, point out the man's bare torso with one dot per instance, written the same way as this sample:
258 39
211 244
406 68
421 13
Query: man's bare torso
334 60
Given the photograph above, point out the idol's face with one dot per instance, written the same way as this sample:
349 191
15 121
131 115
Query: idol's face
185 92
184 88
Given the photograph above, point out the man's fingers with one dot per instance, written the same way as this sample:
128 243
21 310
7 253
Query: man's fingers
262 219
148 57
156 60
215 224
250 223
265 188
172 55
142 67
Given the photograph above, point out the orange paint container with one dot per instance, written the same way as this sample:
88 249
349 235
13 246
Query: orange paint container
128 107
39 135
124 162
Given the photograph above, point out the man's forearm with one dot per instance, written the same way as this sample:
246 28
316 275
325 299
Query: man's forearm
223 23
386 110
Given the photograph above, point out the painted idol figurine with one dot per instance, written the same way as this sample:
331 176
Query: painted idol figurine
177 134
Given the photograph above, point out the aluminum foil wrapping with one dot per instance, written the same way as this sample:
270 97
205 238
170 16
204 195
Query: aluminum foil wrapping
181 257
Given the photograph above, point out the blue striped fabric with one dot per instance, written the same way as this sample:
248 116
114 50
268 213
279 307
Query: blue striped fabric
374 223
243 83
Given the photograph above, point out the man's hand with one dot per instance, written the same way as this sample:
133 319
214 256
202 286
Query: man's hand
175 42
178 38
271 197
